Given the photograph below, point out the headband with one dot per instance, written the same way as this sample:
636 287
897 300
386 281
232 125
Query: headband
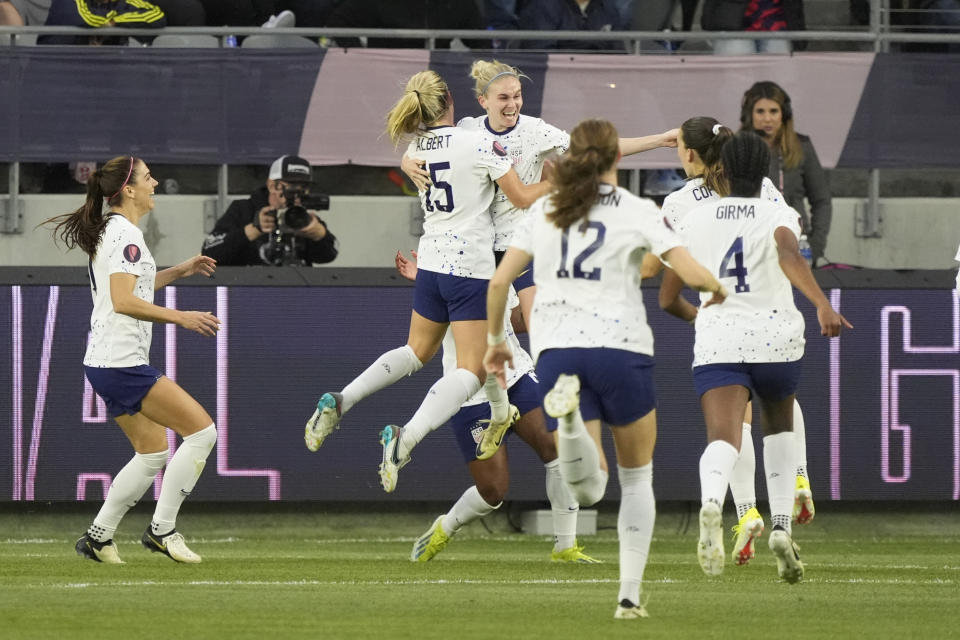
125 180
502 73
716 129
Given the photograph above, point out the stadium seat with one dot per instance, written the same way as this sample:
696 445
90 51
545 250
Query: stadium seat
192 41
23 40
263 41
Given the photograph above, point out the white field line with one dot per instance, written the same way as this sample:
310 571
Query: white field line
387 583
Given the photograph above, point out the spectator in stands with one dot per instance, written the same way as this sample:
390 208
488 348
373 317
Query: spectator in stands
752 15
247 233
794 167
101 13
19 13
415 14
570 15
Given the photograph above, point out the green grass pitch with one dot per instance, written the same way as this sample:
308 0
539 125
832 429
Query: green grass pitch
324 572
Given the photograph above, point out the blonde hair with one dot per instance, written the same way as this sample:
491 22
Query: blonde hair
594 145
486 71
425 99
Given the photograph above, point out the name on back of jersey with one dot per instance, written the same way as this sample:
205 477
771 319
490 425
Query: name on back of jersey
430 143
735 211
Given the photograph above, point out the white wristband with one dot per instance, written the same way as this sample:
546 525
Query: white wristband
494 340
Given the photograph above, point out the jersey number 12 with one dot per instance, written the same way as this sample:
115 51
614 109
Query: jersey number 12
578 272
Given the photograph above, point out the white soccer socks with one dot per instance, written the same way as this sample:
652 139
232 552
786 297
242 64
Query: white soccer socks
638 512
742 480
442 401
563 507
390 367
182 474
128 487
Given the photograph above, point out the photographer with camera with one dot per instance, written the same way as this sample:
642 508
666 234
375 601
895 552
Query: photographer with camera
277 225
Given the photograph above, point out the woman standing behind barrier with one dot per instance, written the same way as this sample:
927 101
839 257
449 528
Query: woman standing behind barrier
528 141
455 259
794 167
752 344
589 334
699 145
123 277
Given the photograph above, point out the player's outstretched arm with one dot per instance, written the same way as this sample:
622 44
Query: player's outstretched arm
797 270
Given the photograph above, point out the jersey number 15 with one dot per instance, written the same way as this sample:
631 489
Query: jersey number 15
438 185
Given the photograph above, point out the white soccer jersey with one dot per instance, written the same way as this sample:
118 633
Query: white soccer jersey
528 144
457 228
118 340
695 192
588 276
522 363
758 322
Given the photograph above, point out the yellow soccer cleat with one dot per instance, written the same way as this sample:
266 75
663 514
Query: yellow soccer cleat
749 529
803 510
573 554
430 543
494 434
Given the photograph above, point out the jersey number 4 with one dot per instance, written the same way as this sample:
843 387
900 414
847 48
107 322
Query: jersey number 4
438 185
578 272
738 271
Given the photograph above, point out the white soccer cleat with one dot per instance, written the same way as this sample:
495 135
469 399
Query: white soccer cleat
324 420
626 610
392 463
564 397
787 553
710 547
105 552
171 545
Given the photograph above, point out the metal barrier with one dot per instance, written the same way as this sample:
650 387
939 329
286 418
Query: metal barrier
879 35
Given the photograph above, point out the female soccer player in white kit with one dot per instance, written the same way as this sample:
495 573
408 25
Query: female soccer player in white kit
456 260
528 141
698 146
589 334
753 343
123 277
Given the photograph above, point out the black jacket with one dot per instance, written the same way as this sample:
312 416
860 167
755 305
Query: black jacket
228 243
807 181
565 15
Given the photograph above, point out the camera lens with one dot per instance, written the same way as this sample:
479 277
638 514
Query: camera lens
296 217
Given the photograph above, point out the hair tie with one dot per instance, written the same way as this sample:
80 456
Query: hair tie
716 129
129 173
499 75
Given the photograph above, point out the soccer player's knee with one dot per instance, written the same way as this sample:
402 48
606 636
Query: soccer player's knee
154 461
203 439
415 363
590 490
493 493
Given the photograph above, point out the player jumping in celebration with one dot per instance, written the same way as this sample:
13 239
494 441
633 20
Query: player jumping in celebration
753 243
491 476
455 262
123 277
698 146
528 141
589 333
